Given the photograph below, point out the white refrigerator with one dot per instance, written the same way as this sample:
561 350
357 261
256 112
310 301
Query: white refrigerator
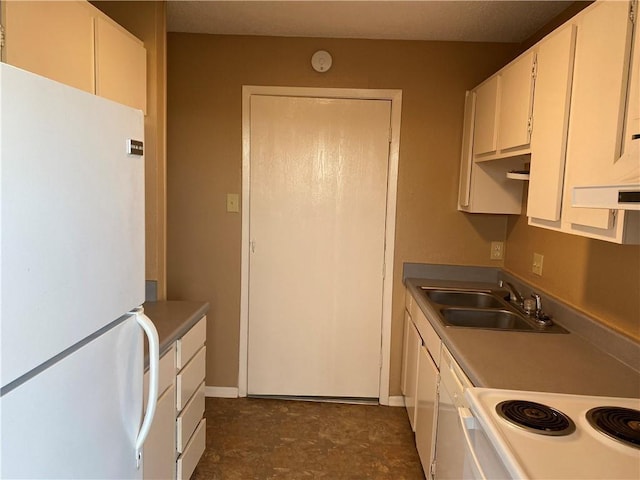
71 283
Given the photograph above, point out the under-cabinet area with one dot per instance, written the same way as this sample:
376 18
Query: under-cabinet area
563 114
464 337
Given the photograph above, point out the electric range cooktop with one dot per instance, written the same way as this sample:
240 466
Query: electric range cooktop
557 436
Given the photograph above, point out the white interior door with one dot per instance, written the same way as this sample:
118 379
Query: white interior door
317 227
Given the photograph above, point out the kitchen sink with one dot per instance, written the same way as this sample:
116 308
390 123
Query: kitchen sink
459 298
484 309
492 319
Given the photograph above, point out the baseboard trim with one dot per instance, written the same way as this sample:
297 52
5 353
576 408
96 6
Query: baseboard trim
396 401
221 392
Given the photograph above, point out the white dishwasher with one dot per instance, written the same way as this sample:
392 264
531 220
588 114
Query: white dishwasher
462 450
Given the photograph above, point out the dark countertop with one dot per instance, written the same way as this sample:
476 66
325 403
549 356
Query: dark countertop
545 362
172 320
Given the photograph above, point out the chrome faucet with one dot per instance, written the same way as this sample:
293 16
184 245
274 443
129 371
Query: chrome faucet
539 315
514 294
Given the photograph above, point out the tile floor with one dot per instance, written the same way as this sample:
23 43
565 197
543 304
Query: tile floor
259 439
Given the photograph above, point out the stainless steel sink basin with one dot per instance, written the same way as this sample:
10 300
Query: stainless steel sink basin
492 319
460 298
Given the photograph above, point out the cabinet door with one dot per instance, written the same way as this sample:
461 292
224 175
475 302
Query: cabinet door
516 102
52 39
627 169
159 453
121 65
554 74
426 408
466 157
597 104
485 131
414 343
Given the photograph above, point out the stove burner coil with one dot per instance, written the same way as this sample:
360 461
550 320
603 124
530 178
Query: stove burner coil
618 423
535 417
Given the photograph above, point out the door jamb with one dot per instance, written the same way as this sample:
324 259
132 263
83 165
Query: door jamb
395 96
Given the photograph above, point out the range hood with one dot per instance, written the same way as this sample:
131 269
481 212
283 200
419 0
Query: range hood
622 193
617 197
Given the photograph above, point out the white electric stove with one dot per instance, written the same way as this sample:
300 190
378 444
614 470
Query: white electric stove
560 438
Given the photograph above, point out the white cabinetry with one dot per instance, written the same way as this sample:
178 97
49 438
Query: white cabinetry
421 358
485 136
177 437
410 368
160 447
595 130
503 110
554 74
484 186
191 426
74 43
516 102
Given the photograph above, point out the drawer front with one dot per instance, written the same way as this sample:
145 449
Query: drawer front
190 378
195 448
429 335
189 419
166 373
191 342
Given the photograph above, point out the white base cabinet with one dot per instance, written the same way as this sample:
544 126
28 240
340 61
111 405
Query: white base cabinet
178 433
426 408
421 358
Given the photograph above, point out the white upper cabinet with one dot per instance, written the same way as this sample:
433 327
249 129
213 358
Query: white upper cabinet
597 105
484 186
516 103
569 106
121 65
503 111
52 39
554 74
74 43
486 117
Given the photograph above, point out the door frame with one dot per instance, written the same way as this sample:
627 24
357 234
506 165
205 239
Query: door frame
395 97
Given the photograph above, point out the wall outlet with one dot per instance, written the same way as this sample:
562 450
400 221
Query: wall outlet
233 202
497 250
537 263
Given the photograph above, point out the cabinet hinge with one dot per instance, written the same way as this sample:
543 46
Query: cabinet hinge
534 67
432 470
1 36
632 11
530 126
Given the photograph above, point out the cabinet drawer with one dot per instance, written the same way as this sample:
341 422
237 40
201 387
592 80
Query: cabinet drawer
190 378
166 373
189 419
429 336
195 448
191 342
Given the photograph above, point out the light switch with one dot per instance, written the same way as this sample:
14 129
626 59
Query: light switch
233 202
537 263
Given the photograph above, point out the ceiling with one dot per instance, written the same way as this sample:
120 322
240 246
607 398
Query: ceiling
453 20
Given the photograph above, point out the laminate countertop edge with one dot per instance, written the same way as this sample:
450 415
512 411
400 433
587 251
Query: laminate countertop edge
172 320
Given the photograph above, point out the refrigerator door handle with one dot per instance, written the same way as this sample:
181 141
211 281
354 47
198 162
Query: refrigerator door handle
154 359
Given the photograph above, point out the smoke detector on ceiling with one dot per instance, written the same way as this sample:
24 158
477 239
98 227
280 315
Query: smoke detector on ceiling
321 61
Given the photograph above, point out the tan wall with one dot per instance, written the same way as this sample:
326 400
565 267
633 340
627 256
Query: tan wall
600 278
205 76
147 21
